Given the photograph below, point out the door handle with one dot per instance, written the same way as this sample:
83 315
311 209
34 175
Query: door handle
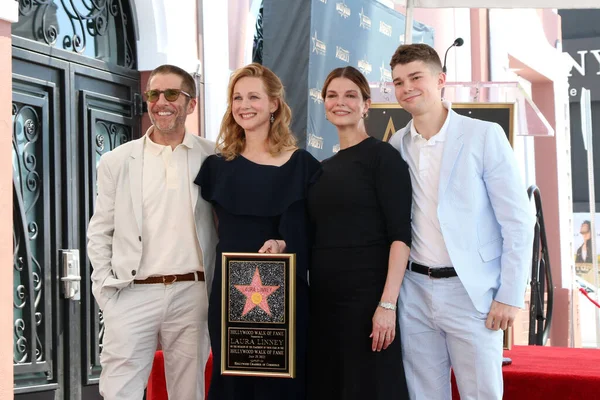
71 278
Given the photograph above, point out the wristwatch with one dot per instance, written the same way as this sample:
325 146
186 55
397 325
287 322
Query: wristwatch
387 306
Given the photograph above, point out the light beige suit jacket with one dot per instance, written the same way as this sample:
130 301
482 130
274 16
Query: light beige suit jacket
115 230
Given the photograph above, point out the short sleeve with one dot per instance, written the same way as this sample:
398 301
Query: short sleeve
313 169
246 188
394 193
206 177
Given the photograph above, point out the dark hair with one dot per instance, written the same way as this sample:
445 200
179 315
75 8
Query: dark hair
352 74
408 53
188 84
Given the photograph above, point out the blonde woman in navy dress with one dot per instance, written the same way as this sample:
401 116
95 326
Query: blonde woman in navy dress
257 184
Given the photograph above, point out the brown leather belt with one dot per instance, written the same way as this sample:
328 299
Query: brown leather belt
169 279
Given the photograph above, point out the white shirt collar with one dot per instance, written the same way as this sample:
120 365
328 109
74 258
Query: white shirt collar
156 148
441 135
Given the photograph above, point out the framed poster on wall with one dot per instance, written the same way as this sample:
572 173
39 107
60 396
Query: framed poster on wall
385 119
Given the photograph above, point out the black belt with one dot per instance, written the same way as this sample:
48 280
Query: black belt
443 272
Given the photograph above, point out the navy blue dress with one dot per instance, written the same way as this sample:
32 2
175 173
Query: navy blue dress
254 203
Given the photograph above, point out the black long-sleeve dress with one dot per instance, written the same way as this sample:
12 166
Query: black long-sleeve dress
359 206
254 203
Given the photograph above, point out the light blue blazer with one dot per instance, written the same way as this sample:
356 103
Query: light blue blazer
484 212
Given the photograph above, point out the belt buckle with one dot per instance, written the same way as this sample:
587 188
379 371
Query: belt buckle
429 274
164 278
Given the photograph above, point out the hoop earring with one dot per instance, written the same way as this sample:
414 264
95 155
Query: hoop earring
272 118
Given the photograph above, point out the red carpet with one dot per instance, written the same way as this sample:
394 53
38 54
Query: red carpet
157 385
544 373
550 373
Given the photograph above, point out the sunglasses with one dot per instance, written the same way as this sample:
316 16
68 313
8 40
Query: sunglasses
170 94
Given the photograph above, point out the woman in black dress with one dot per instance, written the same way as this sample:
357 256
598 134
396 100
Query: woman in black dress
361 211
258 185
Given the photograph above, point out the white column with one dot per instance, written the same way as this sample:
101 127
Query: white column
167 34
216 64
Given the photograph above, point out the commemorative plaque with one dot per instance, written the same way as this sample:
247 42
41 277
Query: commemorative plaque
258 317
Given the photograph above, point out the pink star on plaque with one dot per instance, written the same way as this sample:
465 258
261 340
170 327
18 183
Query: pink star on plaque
256 294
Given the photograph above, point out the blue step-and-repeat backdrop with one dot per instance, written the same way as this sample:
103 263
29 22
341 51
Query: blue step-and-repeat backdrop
360 33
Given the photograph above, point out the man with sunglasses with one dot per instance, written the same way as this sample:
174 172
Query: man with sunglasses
152 247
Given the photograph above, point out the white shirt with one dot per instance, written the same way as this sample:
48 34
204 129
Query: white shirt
424 158
170 244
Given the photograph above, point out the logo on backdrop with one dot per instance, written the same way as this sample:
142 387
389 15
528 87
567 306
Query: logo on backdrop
365 22
385 74
342 9
365 67
319 46
323 1
385 29
315 94
342 54
385 77
336 148
314 141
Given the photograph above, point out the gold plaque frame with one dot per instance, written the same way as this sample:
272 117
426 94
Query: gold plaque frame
258 336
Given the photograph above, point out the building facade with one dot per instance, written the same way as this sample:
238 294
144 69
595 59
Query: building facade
73 73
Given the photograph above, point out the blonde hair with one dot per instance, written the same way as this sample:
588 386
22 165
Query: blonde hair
232 140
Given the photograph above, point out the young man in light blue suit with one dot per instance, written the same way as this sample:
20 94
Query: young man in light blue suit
472 238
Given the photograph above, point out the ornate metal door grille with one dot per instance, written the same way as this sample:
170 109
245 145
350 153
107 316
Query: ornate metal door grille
75 97
98 29
32 290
